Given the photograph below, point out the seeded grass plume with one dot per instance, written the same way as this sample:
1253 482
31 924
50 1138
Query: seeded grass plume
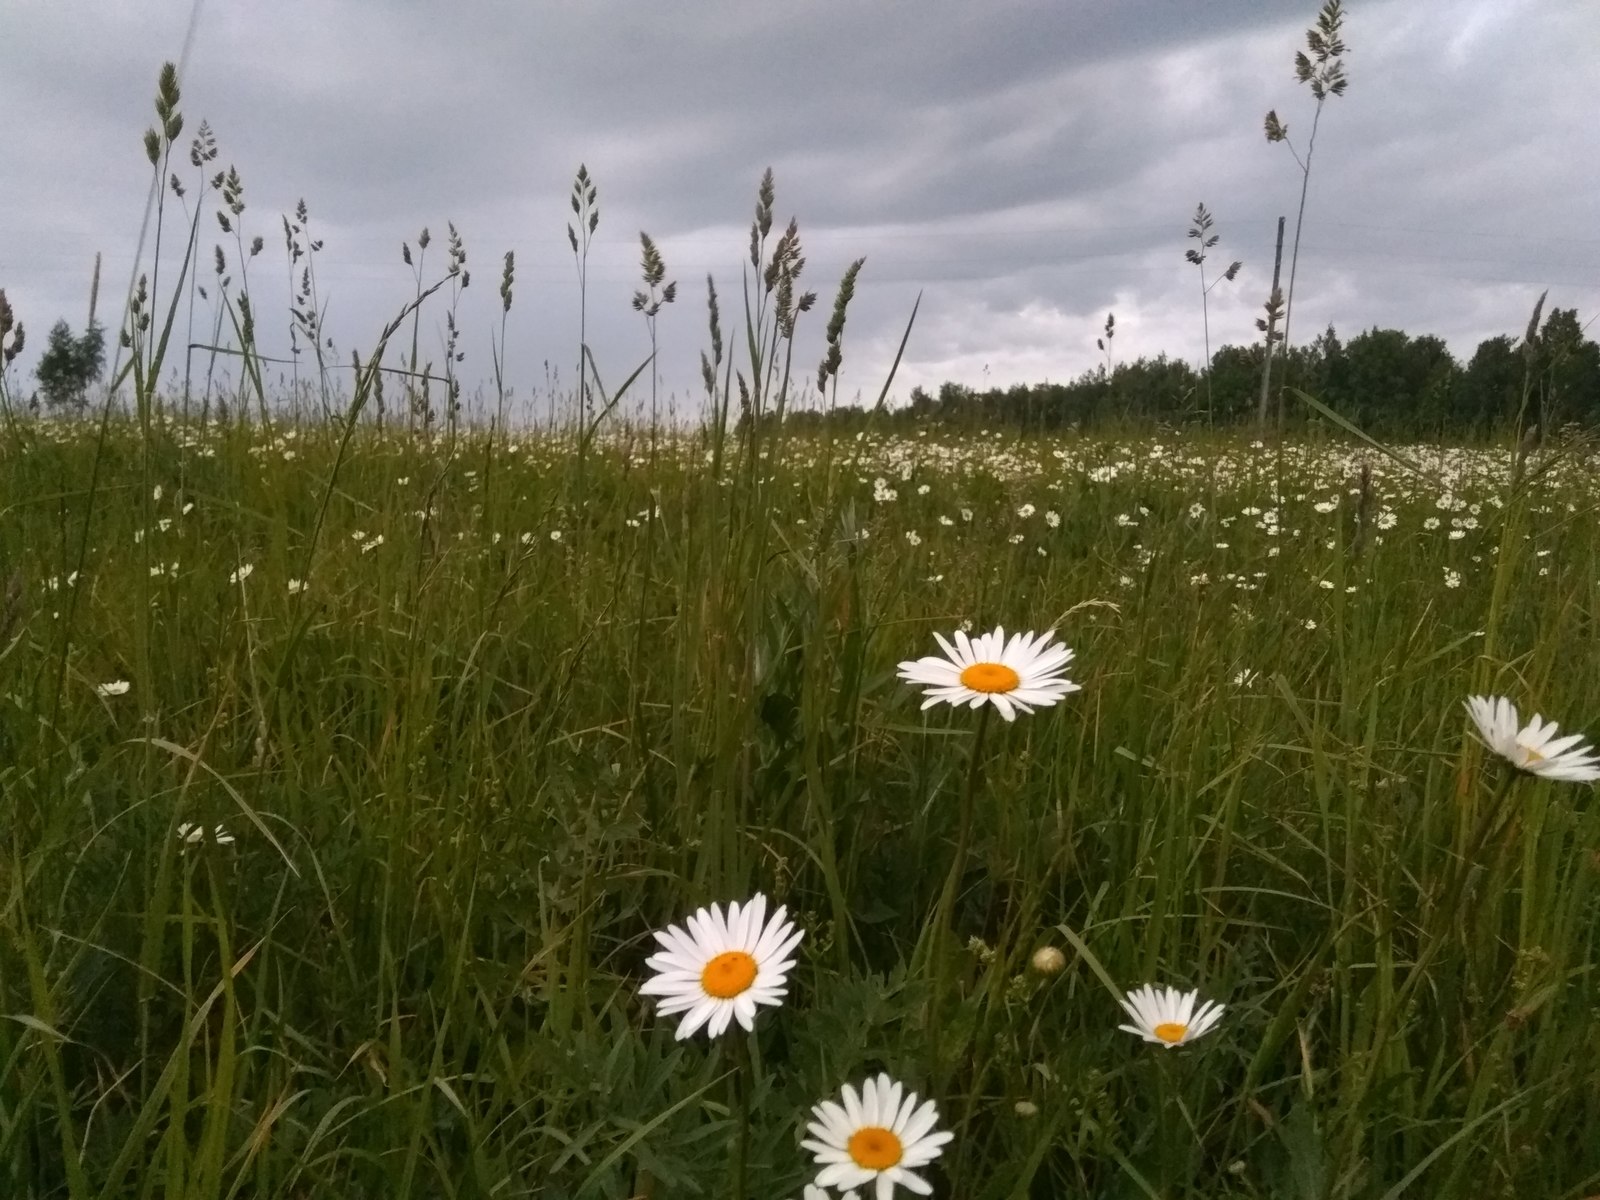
1200 230
1320 66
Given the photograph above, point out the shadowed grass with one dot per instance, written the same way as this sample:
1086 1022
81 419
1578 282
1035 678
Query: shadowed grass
470 766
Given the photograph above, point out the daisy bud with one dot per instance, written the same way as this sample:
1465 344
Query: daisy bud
1048 960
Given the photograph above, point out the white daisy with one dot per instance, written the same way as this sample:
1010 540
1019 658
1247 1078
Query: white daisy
117 687
1167 1016
1533 748
875 1137
1023 673
722 967
193 835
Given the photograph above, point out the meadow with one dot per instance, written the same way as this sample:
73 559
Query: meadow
347 773
359 760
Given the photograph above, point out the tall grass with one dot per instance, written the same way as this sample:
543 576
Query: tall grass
480 712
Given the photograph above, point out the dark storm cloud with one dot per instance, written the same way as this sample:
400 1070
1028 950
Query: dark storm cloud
1027 167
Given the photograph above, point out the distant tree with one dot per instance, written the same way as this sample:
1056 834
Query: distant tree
1325 365
92 354
1435 373
1489 394
953 397
1160 389
1235 374
69 365
1386 378
1568 366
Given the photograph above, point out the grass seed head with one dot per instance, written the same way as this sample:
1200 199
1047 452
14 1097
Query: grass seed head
167 97
834 356
764 197
1530 339
1323 68
650 261
8 324
204 146
716 322
507 277
457 252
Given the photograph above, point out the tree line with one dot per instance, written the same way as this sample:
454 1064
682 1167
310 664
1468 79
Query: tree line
1384 380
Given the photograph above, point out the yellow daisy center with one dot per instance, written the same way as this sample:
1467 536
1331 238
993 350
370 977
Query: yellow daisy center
1530 756
874 1148
728 974
1171 1032
990 677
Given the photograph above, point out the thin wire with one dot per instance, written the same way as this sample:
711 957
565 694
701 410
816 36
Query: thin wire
156 183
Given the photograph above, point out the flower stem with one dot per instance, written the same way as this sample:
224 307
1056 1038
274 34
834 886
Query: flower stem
1179 1141
944 915
1487 823
1460 907
739 1087
1166 1147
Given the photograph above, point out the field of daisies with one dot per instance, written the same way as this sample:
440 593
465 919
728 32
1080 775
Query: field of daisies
488 816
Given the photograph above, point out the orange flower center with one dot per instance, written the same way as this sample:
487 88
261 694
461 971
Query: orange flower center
874 1148
1170 1032
990 677
728 974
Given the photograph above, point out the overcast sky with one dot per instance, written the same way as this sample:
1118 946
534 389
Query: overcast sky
1026 166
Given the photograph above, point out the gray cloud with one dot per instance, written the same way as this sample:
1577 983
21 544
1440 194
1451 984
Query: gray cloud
1026 166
